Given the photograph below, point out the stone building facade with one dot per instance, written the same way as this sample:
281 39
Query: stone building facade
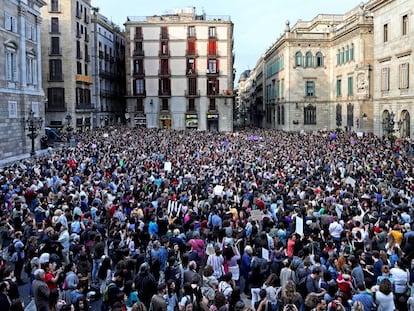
180 71
20 81
66 62
393 71
318 75
108 71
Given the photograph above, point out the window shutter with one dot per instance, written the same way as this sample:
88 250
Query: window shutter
15 76
7 21
8 66
14 24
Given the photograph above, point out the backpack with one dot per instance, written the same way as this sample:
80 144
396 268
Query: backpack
105 297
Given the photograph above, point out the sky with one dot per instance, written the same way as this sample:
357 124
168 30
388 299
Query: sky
257 23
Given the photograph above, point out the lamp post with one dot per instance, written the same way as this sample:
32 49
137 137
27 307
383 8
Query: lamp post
33 125
389 126
68 126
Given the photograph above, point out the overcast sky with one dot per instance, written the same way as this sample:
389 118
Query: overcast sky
257 23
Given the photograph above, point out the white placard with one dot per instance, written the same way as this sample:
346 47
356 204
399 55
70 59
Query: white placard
265 254
105 135
299 225
167 166
218 190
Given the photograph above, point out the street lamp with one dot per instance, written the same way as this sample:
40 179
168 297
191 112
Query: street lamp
33 125
68 125
389 126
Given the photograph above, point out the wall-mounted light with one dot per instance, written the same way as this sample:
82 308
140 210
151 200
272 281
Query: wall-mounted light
364 116
296 122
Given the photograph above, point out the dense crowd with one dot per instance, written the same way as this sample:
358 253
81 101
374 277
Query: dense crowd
148 219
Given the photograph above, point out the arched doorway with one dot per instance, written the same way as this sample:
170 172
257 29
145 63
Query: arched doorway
386 123
405 124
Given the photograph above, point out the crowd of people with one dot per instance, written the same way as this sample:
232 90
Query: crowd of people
265 220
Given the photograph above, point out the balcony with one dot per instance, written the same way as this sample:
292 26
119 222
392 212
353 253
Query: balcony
106 74
212 72
212 54
55 51
192 93
191 53
56 77
191 72
54 8
84 107
139 73
164 93
140 94
138 53
164 73
138 36
164 54
83 78
164 36
213 93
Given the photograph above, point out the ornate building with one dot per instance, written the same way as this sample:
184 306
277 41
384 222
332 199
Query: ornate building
20 78
393 73
66 59
180 71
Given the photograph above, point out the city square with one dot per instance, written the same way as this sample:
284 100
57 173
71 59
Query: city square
140 171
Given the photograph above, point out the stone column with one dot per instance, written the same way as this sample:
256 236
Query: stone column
39 53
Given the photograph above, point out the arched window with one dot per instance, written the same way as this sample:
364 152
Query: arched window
309 59
351 52
338 115
319 59
298 59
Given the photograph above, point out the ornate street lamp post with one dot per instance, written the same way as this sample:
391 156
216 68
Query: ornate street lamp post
389 126
33 125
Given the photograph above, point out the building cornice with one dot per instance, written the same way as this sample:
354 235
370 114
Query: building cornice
375 5
402 54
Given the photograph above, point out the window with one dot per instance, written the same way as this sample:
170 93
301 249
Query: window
211 32
191 31
78 50
55 70
139 87
164 48
86 69
404 74
280 114
349 116
140 105
31 70
212 48
11 65
309 115
319 59
347 54
212 105
385 79
10 22
83 97
310 88
54 6
309 59
282 88
190 65
350 86
164 104
192 86
164 32
338 87
213 86
338 115
12 108
56 97
212 66
404 25
55 46
342 55
191 47
138 66
138 32
31 32
79 68
351 52
164 66
385 33
298 59
164 86
54 26
191 104
338 57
